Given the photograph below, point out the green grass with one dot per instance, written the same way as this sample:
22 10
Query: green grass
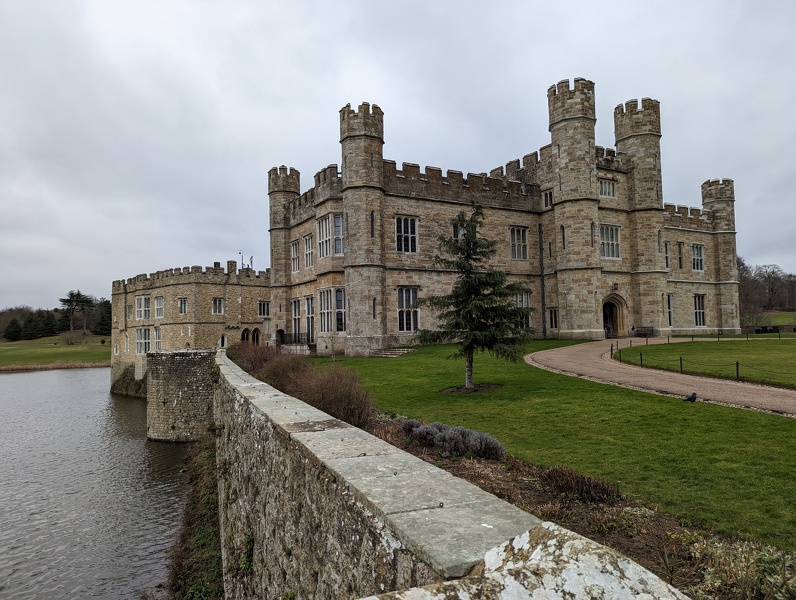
776 317
728 469
51 351
767 361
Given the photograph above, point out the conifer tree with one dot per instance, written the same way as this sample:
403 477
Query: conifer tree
481 313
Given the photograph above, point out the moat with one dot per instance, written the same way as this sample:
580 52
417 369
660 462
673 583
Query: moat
89 507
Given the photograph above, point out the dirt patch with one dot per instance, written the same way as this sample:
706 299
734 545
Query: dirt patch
654 540
482 387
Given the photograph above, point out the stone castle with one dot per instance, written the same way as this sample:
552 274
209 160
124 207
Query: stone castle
585 227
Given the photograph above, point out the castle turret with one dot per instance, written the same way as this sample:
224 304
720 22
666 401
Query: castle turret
284 186
718 196
638 136
362 140
577 261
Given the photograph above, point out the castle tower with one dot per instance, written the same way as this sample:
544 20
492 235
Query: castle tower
638 136
572 119
362 140
718 196
283 188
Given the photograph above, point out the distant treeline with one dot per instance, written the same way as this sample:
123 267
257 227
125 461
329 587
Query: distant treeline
764 288
25 323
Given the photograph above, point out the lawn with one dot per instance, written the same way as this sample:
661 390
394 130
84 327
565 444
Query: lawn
776 317
728 469
767 361
55 352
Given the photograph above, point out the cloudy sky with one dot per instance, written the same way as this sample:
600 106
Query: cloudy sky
137 135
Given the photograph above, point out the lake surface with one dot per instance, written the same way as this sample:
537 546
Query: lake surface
88 507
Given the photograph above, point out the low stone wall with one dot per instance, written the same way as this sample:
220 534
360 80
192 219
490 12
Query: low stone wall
313 506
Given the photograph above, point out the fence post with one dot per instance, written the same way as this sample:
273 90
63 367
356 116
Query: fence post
631 343
737 371
681 365
692 337
612 350
640 359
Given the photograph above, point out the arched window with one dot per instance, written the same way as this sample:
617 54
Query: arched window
244 335
256 336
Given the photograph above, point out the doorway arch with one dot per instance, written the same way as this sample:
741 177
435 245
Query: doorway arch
614 316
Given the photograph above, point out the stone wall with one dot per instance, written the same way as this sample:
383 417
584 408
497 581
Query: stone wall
179 389
313 506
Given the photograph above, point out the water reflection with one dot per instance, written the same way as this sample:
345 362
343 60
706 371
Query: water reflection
88 506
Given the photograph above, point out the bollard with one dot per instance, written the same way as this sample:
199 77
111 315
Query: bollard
640 359
631 343
737 371
681 365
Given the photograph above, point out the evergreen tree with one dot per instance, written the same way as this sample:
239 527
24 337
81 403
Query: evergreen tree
480 313
76 301
13 331
104 323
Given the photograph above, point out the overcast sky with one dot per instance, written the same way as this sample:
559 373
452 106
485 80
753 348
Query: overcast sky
137 135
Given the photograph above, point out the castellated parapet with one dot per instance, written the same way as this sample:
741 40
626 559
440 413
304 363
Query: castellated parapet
631 119
282 179
565 102
367 120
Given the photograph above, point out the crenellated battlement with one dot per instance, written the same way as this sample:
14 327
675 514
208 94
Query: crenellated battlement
488 190
565 102
689 217
633 119
609 158
718 189
194 274
367 120
283 179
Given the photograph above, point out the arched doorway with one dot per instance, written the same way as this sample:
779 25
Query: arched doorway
222 343
614 311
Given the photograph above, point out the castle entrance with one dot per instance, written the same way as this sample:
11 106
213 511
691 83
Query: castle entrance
614 316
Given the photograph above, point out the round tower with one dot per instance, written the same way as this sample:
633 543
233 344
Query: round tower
362 140
638 136
576 258
284 186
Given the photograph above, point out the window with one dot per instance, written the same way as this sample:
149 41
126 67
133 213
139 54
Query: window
698 257
218 306
591 233
142 340
142 307
263 309
607 188
521 301
609 241
332 310
338 234
158 307
548 198
406 234
309 251
553 318
129 311
519 243
157 339
294 256
458 231
295 309
666 255
372 224
670 308
182 306
563 238
310 305
699 310
116 349
407 313
324 237
679 255
126 343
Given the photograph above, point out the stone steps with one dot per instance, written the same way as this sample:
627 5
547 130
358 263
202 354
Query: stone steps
390 352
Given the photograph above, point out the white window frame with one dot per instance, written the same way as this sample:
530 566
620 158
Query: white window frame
309 304
218 306
325 308
263 309
698 257
158 307
309 251
548 198
331 303
607 188
337 233
522 300
699 310
294 256
142 340
406 238
157 339
670 309
610 242
339 309
668 262
408 315
324 236
519 243
295 311
142 307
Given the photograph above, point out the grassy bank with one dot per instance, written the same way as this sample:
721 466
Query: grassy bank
56 353
769 361
195 570
728 469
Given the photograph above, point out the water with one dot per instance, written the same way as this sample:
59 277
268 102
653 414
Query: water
88 507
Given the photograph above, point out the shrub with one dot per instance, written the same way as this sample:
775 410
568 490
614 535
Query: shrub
285 372
249 357
336 390
456 441
583 487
